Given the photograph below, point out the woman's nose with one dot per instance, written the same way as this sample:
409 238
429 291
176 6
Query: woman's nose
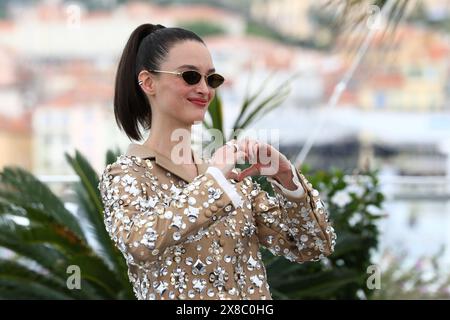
202 86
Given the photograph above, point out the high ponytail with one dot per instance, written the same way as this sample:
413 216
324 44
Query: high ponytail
146 48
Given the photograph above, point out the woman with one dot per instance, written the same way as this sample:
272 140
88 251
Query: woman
191 229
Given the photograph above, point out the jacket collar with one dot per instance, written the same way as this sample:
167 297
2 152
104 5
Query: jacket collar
143 152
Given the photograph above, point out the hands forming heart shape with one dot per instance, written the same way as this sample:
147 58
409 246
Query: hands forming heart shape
264 160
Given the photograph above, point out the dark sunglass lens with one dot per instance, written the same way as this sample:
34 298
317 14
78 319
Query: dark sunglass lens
215 80
191 77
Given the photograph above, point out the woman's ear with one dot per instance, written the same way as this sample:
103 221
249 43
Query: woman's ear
146 82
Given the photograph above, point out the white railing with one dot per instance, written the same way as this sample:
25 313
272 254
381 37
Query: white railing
416 187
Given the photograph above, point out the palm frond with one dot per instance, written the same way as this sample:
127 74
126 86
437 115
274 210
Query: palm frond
216 113
21 188
271 102
250 98
111 155
46 241
90 206
16 276
319 284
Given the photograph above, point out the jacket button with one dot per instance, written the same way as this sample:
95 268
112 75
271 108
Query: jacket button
208 213
213 208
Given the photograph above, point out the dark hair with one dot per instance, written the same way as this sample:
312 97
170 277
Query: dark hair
146 48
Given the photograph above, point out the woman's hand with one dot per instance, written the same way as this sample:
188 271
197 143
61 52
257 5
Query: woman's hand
266 160
226 157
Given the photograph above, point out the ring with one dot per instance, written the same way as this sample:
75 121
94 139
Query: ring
236 147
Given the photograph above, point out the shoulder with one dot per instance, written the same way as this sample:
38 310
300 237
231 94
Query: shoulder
127 163
125 168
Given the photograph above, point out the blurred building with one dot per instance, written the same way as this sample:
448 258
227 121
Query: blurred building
68 31
71 78
79 117
415 74
290 17
15 142
15 129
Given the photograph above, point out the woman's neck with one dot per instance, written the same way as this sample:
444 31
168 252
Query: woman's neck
172 140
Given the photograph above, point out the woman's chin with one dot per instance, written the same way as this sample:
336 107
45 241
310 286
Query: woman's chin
197 119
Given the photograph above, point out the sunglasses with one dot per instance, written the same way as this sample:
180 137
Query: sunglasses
192 77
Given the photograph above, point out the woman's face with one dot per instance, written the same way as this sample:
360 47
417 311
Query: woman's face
175 98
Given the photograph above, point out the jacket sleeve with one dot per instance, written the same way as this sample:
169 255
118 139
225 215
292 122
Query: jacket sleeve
143 221
295 223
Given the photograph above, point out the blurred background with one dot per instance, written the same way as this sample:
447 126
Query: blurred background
365 87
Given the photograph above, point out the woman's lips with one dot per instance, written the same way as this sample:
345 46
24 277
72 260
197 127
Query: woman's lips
199 102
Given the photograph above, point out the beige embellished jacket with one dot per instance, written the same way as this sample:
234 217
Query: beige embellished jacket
199 238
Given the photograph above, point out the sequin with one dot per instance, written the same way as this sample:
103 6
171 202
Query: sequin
256 281
168 215
232 291
209 260
198 268
162 287
251 264
199 284
176 236
249 229
178 279
218 277
177 222
192 201
192 213
214 193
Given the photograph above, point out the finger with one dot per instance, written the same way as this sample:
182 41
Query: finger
240 157
266 154
244 147
232 175
228 144
251 153
255 151
229 156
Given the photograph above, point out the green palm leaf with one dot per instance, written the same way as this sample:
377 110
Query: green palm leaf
268 104
12 288
111 155
252 109
55 255
319 284
216 114
15 276
24 190
51 239
91 208
250 99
